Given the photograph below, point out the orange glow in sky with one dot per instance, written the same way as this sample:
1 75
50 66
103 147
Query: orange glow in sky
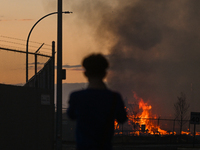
16 20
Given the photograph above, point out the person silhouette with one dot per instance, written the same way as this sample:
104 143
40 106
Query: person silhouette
95 108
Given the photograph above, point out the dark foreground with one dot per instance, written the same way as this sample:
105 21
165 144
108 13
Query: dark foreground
149 143
143 147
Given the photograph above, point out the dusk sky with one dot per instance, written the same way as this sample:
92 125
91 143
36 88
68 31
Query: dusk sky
16 20
153 45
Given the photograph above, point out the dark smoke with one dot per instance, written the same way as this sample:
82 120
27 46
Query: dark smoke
155 47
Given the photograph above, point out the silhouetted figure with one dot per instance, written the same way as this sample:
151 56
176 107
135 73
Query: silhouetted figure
95 108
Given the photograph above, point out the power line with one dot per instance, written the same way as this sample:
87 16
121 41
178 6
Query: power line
17 43
11 42
23 44
22 40
20 51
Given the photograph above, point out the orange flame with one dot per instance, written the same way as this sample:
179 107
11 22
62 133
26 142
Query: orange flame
116 125
143 119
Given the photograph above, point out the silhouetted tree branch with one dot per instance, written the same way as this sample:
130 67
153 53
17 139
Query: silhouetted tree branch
181 108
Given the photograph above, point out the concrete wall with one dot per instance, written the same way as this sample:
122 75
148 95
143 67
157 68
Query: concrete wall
27 118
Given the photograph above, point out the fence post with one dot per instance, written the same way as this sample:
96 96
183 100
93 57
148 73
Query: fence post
189 126
158 121
194 134
122 134
174 126
36 85
36 79
53 87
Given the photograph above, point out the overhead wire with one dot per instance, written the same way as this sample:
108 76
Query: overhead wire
4 39
22 40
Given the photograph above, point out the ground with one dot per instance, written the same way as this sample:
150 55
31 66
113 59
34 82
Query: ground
143 147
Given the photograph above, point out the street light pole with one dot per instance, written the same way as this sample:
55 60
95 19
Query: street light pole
59 70
59 79
27 41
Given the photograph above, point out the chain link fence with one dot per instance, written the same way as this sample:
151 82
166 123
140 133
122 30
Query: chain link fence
165 131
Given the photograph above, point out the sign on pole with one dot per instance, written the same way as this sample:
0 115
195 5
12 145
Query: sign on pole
195 118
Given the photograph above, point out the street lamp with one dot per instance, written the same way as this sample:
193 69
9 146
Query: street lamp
27 41
59 70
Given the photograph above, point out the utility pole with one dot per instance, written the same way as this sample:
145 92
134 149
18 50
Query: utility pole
59 79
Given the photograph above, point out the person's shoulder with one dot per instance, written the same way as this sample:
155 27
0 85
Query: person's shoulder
78 92
115 93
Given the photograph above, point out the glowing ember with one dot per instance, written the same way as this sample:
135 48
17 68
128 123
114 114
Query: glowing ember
187 133
197 133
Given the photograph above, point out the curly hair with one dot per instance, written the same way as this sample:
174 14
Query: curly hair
95 65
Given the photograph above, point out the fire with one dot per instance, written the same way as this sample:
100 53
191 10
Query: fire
116 125
143 122
140 118
197 133
145 113
185 132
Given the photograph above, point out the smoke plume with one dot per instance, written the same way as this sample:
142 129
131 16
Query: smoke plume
154 47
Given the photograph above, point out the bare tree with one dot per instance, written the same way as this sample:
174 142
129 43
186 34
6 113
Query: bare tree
181 108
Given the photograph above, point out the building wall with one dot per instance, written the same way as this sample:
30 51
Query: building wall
27 118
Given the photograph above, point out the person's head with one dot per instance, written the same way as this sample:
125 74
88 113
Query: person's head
95 66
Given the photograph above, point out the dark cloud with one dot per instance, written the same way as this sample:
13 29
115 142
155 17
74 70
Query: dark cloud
72 66
170 61
39 63
155 47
